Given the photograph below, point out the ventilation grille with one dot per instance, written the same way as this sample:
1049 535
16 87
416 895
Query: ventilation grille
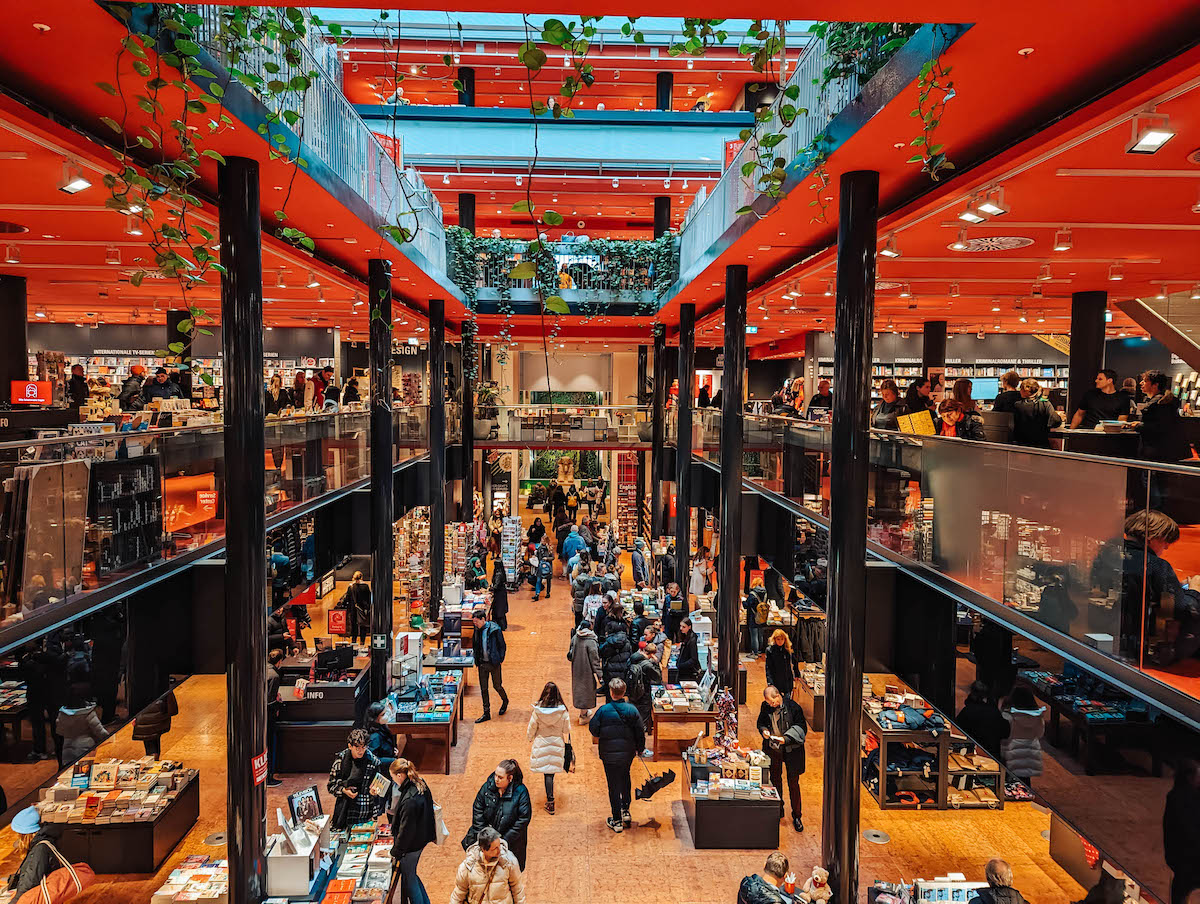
994 243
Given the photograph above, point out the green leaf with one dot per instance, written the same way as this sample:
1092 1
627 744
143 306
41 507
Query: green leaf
742 210
552 218
447 59
915 158
216 90
111 123
522 207
531 56
555 304
141 68
196 106
555 32
791 92
207 378
107 88
523 270
209 152
748 167
135 279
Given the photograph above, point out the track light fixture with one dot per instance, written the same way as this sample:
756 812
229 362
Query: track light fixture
12 254
1044 273
993 203
960 243
1195 292
889 247
73 179
280 282
829 289
970 213
1116 273
954 290
112 255
1035 291
1147 138
133 226
520 179
313 282
1062 240
616 183
905 291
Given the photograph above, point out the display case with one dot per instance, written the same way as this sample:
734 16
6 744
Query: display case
724 817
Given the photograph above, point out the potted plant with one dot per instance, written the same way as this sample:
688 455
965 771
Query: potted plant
487 412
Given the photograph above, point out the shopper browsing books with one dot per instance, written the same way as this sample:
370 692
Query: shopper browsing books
763 888
999 891
380 740
39 859
351 778
784 729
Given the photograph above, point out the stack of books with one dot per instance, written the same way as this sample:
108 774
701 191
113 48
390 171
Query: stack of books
197 878
114 791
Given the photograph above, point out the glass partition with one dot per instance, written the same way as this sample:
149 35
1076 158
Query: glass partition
624 424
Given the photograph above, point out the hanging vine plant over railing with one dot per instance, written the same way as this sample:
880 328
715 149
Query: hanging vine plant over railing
159 162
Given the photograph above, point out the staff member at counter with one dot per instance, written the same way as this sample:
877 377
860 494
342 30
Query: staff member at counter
1104 403
161 387
77 387
886 413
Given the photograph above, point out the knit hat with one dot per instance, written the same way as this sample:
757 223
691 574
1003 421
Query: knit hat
27 822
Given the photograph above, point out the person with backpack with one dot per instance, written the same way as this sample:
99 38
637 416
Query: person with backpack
756 607
643 676
581 586
413 826
489 649
587 670
616 651
784 729
543 571
573 502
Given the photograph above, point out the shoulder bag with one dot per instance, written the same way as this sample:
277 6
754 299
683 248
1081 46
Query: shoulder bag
62 884
569 756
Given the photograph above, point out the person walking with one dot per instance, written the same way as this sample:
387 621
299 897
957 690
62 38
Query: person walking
537 531
549 732
756 607
543 570
350 777
155 721
782 667
1181 830
413 827
980 718
503 804
687 664
358 609
616 649
489 874
581 587
618 729
1000 888
641 567
500 595
763 888
784 729
586 669
1022 749
489 648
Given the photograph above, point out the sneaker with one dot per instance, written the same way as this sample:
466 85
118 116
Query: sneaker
486 717
648 753
797 824
626 819
615 825
535 597
550 807
503 708
274 782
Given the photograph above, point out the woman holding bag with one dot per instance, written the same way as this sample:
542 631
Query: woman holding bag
42 864
413 827
550 734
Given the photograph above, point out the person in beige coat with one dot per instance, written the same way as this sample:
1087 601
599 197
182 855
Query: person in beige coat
489 874
549 732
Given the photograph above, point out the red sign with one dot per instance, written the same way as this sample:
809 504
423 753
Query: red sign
258 766
337 621
32 392
731 151
392 146
206 500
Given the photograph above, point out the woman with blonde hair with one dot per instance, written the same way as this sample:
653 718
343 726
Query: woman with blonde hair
782 667
413 827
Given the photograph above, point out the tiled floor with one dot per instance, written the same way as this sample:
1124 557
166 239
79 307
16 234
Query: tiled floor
572 856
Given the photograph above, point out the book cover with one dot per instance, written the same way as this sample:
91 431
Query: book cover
104 776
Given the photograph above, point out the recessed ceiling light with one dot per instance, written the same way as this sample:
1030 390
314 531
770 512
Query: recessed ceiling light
313 282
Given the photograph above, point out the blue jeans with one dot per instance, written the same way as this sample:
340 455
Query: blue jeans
755 632
412 890
537 584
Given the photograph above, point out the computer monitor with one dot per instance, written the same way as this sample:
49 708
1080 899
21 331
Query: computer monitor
984 389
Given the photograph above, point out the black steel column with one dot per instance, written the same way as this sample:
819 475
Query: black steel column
933 347
245 532
1087 344
658 430
466 211
665 84
14 331
643 354
470 358
728 630
379 291
437 453
466 78
174 319
662 215
683 443
857 223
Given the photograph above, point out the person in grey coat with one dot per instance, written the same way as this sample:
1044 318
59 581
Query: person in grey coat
586 669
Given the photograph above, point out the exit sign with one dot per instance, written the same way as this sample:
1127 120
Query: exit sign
751 330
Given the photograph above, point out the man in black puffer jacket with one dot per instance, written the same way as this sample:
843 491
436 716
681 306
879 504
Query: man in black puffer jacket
618 727
615 649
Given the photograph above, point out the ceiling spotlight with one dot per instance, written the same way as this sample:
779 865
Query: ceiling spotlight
829 289
112 255
1035 291
954 290
1041 317
497 70
993 204
357 299
617 75
457 59
313 282
971 214
905 291
1023 318
73 179
960 243
1044 273
40 313
132 208
1115 273
280 282
995 306
1062 240
1147 139
132 226
616 182
889 247
12 254
1195 292
321 296
412 70
1161 295
445 178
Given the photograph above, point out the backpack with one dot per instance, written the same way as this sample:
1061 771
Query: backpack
635 682
545 566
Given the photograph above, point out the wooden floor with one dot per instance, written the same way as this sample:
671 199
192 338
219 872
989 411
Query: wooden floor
572 855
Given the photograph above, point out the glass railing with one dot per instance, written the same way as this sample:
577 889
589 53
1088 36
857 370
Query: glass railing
1102 550
618 424
331 131
84 511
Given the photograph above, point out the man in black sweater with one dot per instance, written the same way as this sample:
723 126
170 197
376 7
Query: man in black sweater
1010 392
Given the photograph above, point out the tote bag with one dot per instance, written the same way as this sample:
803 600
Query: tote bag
440 832
62 884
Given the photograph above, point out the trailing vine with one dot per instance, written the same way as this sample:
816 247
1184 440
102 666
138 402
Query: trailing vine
159 164
934 89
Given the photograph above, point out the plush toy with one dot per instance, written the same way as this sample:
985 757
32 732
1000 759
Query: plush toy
816 886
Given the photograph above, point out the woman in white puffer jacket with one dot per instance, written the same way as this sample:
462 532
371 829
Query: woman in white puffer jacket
549 732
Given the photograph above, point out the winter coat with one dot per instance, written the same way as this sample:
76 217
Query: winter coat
791 715
1000 895
651 676
572 544
81 730
537 530
984 724
1033 419
39 863
586 670
641 571
1022 749
580 586
508 814
155 390
495 640
413 823
155 720
756 890
478 883
616 650
500 602
619 729
358 601
77 391
130 396
273 404
1006 400
381 743
688 661
1162 432
549 731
